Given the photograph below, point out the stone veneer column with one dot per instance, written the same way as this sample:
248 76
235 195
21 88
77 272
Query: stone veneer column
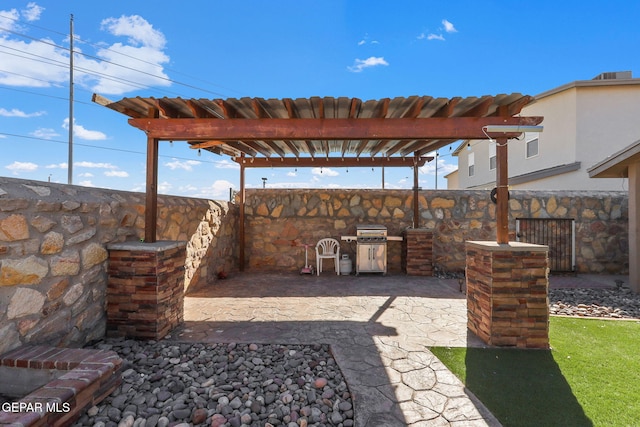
145 290
417 253
507 293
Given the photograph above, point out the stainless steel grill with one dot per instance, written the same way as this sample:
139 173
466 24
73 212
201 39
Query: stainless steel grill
371 254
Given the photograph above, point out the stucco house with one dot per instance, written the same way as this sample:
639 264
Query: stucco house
584 122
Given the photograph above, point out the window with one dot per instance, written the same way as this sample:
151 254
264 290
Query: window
471 164
492 155
532 148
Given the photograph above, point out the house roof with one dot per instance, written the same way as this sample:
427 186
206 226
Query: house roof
320 127
602 80
617 164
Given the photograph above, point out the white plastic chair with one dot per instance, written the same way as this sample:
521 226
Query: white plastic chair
328 248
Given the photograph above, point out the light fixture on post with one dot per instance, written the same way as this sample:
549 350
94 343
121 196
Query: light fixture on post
511 128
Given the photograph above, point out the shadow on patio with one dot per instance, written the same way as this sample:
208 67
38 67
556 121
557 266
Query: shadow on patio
379 329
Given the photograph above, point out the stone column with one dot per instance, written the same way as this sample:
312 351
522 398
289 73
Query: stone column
417 254
507 293
145 290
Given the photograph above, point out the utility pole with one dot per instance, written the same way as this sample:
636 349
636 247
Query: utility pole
436 169
70 165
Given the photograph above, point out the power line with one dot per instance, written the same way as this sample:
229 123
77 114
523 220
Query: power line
104 76
48 96
99 147
106 61
118 53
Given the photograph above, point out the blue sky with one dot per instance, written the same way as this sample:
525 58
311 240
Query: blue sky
276 49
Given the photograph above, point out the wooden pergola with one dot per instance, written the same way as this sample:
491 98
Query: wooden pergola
328 132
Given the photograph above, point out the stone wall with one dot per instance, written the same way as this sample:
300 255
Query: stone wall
278 222
53 253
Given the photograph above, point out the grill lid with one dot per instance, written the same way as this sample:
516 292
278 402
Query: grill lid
370 233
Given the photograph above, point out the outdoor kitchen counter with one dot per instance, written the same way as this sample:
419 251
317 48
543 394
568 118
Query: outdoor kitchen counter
354 238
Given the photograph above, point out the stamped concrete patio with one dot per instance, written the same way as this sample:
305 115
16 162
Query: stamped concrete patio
380 329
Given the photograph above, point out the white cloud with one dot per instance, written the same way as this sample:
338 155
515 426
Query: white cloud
138 29
366 39
448 26
218 190
45 133
63 165
83 133
85 175
89 135
144 43
14 112
16 167
443 168
291 173
32 12
140 59
226 164
85 164
164 187
324 172
118 174
435 37
86 183
361 64
179 164
9 20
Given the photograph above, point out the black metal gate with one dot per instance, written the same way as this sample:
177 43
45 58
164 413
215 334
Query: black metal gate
558 234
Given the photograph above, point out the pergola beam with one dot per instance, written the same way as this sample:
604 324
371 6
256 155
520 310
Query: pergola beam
324 129
310 162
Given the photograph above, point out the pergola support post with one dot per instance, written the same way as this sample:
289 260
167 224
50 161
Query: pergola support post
151 200
502 195
241 224
416 203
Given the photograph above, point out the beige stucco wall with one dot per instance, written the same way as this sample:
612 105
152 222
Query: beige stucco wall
581 124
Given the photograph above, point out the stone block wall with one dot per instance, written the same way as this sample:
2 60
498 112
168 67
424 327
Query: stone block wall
279 221
53 255
145 289
507 294
417 252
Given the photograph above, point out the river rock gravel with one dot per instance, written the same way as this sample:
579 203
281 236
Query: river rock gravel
167 383
614 303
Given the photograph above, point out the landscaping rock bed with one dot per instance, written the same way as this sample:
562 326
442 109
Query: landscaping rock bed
616 303
180 384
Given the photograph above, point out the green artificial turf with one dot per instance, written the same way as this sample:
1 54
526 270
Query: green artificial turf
591 377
